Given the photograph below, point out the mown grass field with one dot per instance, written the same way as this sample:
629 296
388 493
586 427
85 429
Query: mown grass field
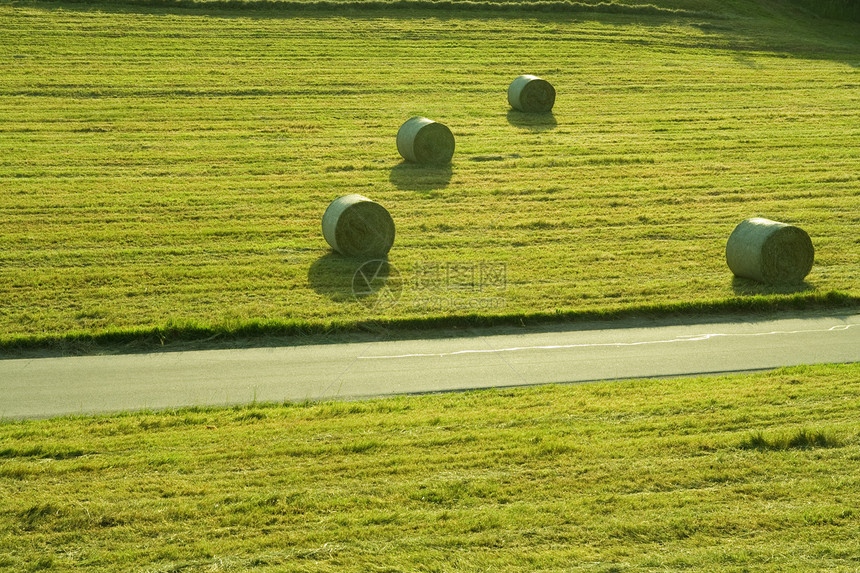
164 169
736 473
166 165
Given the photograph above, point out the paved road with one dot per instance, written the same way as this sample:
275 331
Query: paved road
46 387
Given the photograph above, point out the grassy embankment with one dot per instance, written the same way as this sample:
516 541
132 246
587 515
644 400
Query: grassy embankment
735 473
164 170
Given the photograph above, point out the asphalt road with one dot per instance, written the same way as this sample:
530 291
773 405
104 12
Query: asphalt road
53 386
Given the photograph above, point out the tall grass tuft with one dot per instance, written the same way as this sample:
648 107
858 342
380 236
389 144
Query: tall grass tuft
802 439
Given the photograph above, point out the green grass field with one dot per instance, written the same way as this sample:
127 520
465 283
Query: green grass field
165 165
735 473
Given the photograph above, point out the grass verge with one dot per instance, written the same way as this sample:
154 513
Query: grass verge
728 473
192 335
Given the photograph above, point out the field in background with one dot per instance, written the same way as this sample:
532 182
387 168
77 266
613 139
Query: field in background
164 166
737 473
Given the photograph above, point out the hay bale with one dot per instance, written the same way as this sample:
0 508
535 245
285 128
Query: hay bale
422 140
531 94
355 226
769 251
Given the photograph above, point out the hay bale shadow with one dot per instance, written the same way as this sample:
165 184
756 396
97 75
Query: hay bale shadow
346 279
749 287
413 177
532 121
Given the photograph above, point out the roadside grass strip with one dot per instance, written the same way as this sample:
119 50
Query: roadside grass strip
729 473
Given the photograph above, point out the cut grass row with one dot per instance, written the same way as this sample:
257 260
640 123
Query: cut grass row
554 6
834 9
721 474
167 167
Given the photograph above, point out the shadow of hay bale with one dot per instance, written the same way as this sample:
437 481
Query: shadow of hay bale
532 121
749 287
346 279
411 177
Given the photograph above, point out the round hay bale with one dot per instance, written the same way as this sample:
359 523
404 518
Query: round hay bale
769 251
531 94
355 226
422 140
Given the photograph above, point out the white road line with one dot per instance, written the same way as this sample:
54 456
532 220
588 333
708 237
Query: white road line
689 338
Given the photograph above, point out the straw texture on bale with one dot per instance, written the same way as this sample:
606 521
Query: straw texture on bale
355 226
769 251
422 140
531 94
